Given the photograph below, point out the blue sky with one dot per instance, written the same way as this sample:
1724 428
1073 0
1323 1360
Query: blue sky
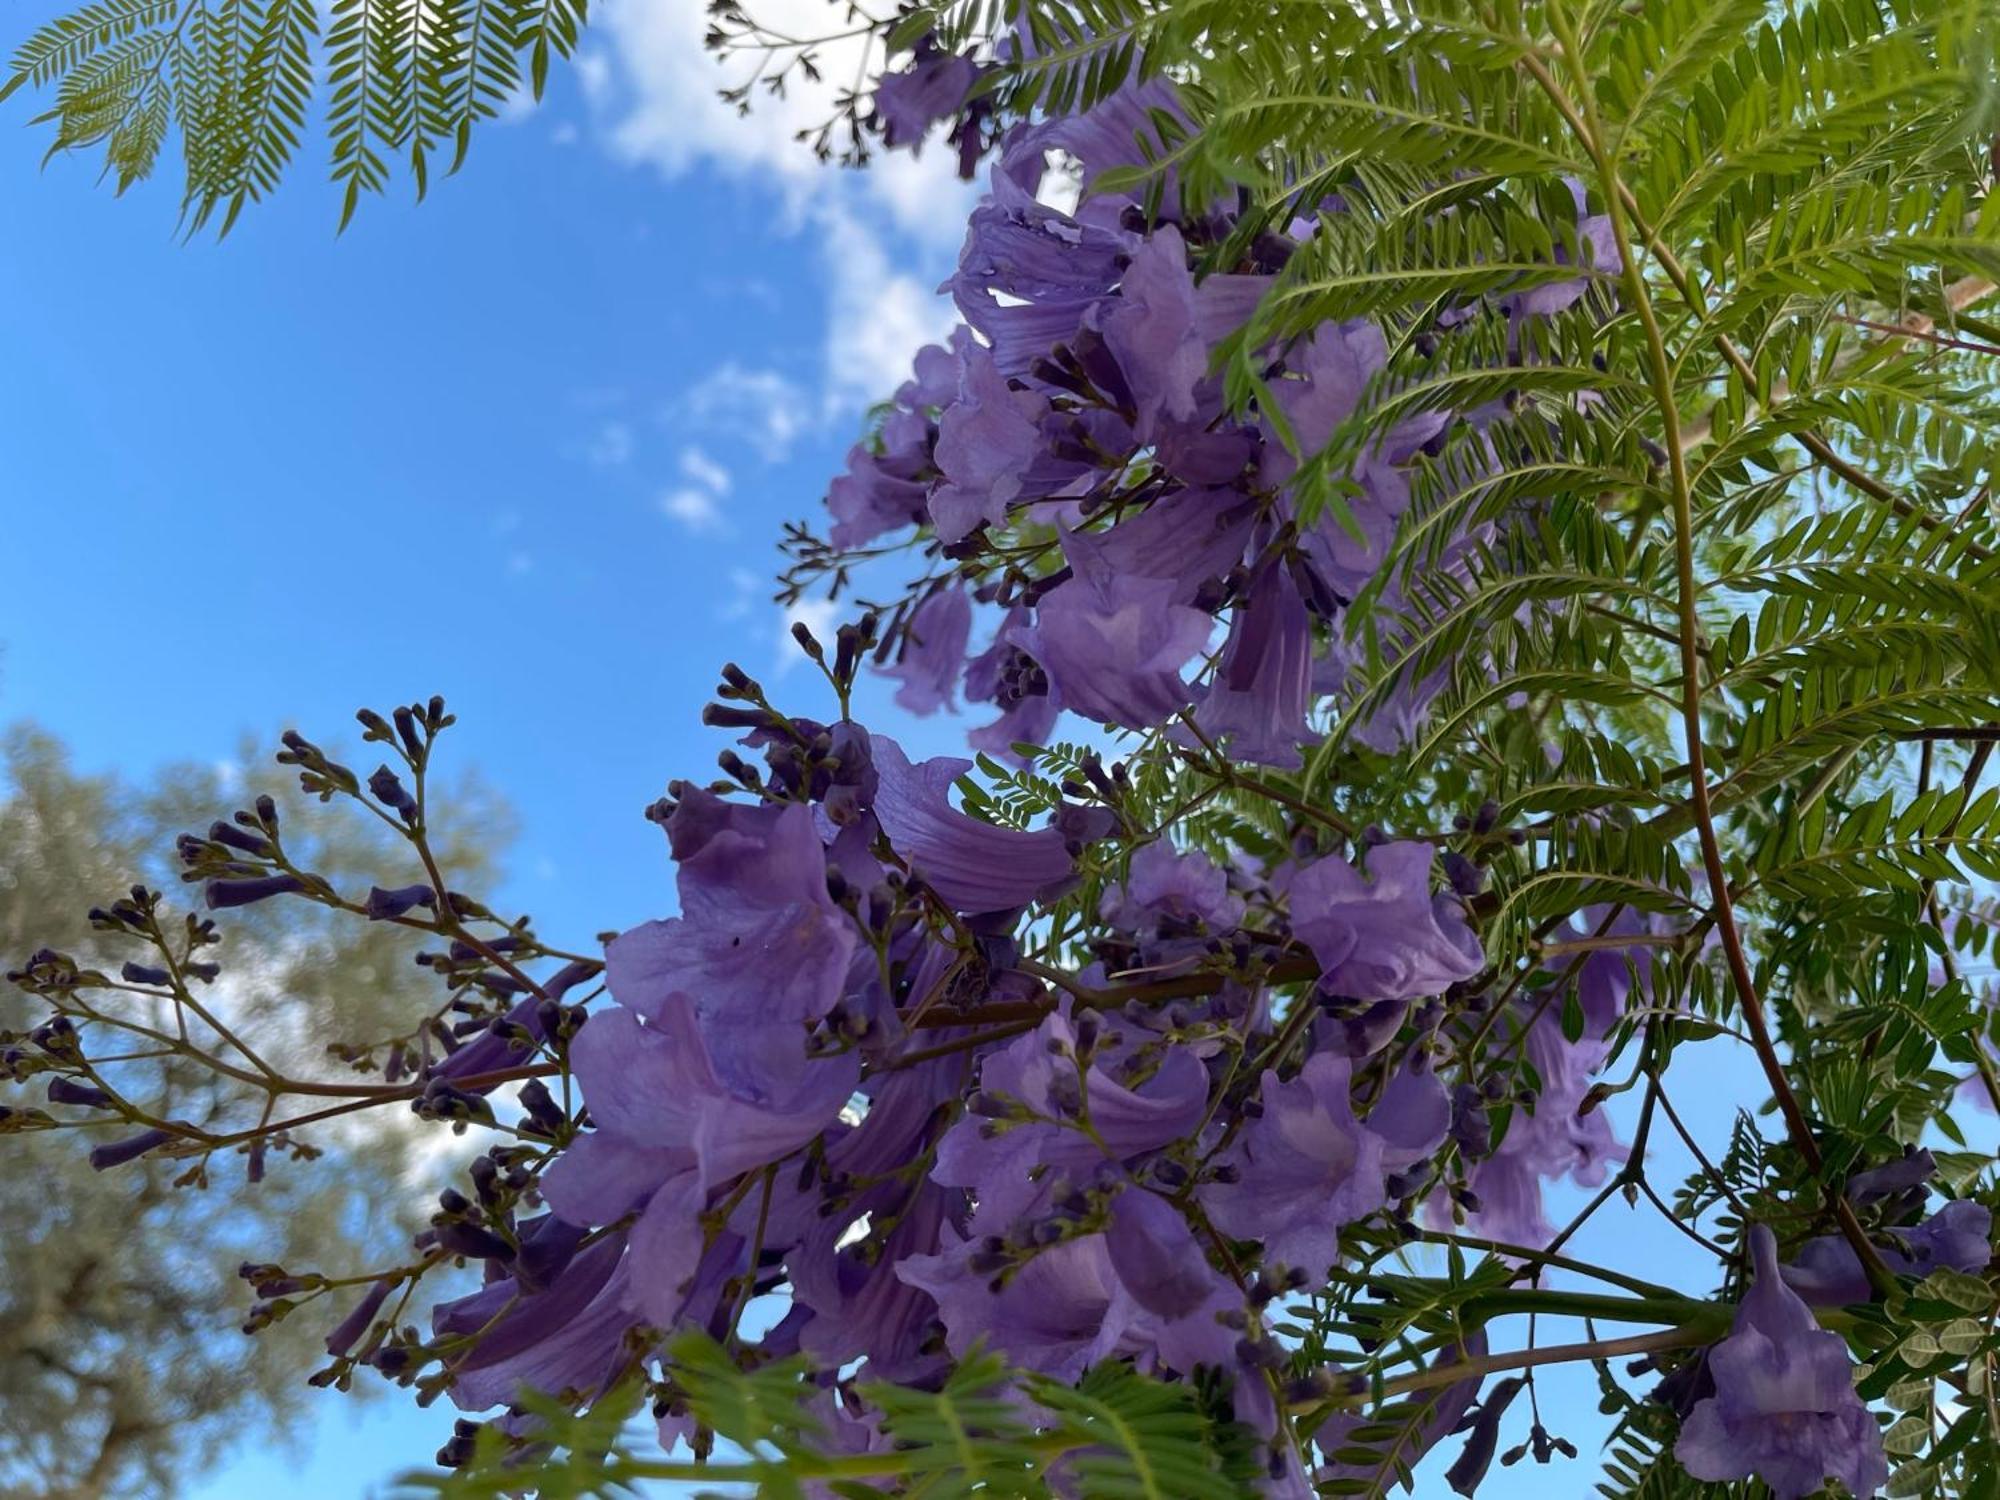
526 445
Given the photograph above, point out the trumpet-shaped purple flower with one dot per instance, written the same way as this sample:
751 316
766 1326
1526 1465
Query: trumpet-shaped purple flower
1114 643
661 1108
1137 1102
974 866
1165 889
759 947
1784 1407
931 88
987 440
1306 1168
1150 330
933 652
568 1337
1383 936
1256 706
1827 1272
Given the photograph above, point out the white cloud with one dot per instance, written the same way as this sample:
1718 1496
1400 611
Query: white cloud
694 509
763 407
878 315
610 446
704 470
884 233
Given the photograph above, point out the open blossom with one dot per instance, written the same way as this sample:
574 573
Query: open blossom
1959 1236
1306 1168
933 653
758 940
1114 643
1382 935
1784 1407
975 866
1164 888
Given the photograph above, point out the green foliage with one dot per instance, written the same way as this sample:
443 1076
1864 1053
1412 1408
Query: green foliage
404 82
986 1431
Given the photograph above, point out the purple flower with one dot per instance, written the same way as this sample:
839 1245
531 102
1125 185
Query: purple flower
569 1337
987 439
1827 1272
974 866
912 99
1784 1406
1005 675
860 1306
662 1109
1551 1142
1114 643
868 500
1137 1104
1330 369
1156 1256
1256 705
933 652
1384 937
759 946
1150 330
1058 1314
1306 1168
1164 888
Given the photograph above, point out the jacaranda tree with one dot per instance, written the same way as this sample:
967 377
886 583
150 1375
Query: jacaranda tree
1471 524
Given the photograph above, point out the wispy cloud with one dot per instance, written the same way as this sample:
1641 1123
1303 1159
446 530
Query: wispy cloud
704 471
611 445
694 509
764 408
882 234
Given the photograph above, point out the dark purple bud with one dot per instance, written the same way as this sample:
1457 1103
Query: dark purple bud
240 838
1470 1467
473 1242
69 1091
225 893
144 974
389 790
117 1153
384 905
1466 878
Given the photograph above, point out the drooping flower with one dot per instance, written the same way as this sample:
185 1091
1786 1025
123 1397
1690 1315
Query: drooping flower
759 948
933 87
1828 1273
1784 1407
1305 1169
1113 643
974 866
987 440
933 653
1256 705
1164 888
1150 329
1551 1141
1383 936
567 1337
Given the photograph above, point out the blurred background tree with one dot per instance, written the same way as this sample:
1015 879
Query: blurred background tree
123 1370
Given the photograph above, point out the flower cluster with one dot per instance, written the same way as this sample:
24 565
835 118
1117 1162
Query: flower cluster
835 1075
1165 563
